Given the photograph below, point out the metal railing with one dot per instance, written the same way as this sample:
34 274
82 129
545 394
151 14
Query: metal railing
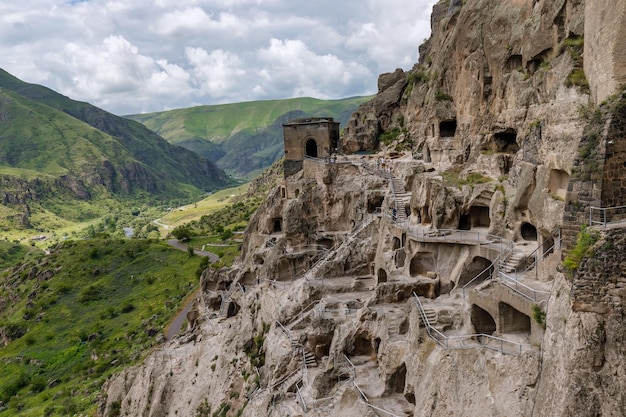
485 341
305 248
523 290
304 312
489 271
606 215
537 256
328 160
360 391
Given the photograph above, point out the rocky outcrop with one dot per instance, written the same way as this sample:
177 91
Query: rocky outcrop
464 213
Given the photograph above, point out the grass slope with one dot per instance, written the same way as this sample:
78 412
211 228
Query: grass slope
63 161
38 138
74 318
243 138
124 138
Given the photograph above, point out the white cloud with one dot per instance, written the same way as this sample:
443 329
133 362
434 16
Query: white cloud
160 54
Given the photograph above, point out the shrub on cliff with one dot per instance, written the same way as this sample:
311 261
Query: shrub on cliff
584 248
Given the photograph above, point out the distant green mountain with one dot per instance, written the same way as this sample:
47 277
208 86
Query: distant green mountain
242 138
53 147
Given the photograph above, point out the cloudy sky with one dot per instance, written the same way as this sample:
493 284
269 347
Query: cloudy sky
132 56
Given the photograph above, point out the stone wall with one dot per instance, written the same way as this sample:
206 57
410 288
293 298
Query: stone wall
599 172
599 285
614 178
605 46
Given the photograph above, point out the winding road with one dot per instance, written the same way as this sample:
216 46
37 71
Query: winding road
175 243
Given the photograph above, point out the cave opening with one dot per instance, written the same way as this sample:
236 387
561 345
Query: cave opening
277 225
506 141
528 232
422 263
382 276
447 128
479 265
482 320
311 148
512 320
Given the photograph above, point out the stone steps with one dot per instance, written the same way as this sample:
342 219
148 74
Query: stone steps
431 316
512 262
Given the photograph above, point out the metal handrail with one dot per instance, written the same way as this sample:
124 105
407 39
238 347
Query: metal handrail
488 269
603 211
306 309
302 248
446 339
301 397
305 368
535 262
380 409
519 287
285 331
284 379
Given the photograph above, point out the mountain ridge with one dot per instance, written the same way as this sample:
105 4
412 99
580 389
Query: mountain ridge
242 138
51 145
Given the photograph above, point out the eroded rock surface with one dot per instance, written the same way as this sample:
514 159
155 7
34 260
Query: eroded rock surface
320 315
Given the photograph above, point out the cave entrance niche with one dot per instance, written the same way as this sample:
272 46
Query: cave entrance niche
285 270
407 210
514 62
479 270
400 258
482 320
374 204
396 243
397 381
465 222
249 278
512 320
382 276
505 141
233 309
363 346
447 128
311 148
277 225
422 263
427 157
528 232
558 182
327 243
480 216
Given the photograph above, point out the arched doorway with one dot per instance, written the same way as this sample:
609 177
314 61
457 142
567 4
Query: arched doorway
422 263
382 276
528 232
512 320
479 265
311 148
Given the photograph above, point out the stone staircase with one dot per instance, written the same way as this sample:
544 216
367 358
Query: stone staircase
510 264
305 357
401 199
315 306
431 316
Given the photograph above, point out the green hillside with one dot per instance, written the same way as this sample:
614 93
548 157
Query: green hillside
71 319
59 153
242 138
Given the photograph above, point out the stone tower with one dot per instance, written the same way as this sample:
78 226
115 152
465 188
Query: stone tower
316 137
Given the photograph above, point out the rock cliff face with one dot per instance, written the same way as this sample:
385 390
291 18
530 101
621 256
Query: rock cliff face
426 284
